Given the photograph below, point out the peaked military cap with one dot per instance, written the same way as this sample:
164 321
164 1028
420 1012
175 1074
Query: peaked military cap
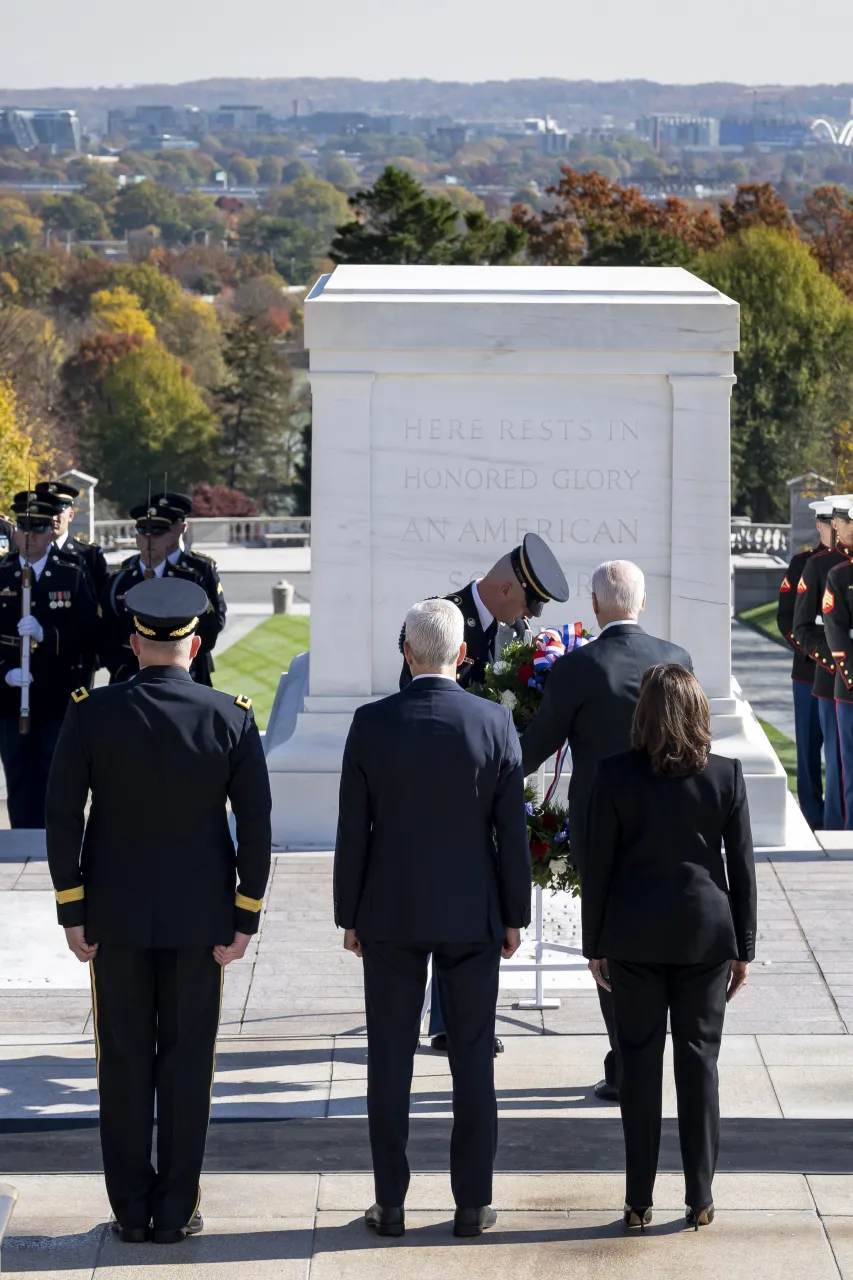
151 518
181 502
841 504
62 493
822 510
538 571
34 511
166 608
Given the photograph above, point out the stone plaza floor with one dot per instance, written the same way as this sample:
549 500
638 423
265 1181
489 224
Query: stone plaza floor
287 1173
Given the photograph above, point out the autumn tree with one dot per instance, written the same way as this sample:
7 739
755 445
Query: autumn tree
118 311
74 213
756 205
145 204
794 366
826 221
21 460
588 211
148 418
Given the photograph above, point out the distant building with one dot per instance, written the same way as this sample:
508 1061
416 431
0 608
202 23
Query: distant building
168 142
30 127
770 135
140 123
242 119
682 131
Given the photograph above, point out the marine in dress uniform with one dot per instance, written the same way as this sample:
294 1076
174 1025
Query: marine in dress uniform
517 588
159 529
837 609
156 896
807 728
61 629
810 634
76 546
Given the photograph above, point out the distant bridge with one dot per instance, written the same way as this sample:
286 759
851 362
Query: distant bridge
842 137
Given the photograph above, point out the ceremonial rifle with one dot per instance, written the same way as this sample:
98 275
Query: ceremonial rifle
149 571
26 610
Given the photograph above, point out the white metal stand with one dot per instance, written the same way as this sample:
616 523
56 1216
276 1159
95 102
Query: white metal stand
539 967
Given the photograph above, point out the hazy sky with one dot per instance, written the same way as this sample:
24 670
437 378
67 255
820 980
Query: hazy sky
100 42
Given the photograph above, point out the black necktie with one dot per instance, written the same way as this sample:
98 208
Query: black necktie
489 635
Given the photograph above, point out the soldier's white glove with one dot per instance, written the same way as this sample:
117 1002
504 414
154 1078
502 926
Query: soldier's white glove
31 627
17 679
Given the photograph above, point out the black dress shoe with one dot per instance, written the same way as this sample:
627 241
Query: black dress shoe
499 1046
439 1042
176 1234
131 1235
605 1091
385 1222
473 1222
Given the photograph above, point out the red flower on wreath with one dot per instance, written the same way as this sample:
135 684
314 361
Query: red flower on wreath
538 848
525 673
549 822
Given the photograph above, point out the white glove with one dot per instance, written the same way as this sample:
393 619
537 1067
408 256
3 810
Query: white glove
16 678
31 627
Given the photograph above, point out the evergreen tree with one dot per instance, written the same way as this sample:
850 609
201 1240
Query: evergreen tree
397 222
254 404
302 475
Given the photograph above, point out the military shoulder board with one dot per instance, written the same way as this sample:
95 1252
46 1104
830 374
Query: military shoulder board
243 702
80 695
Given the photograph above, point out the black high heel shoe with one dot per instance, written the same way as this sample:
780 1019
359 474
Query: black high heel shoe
697 1218
636 1217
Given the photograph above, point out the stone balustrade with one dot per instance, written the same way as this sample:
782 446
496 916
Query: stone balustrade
218 531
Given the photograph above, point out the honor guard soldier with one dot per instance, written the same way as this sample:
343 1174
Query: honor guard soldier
58 632
810 634
76 546
837 609
160 527
806 718
157 897
516 588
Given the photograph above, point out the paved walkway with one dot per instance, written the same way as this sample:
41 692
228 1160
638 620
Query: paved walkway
763 669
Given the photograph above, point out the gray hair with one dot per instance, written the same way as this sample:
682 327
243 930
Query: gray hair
619 586
165 653
434 631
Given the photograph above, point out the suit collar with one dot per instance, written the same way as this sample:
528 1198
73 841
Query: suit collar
431 683
621 629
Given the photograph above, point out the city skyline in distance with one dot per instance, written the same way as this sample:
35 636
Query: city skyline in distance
170 42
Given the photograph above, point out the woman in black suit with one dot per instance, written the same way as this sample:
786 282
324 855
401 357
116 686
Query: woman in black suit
668 925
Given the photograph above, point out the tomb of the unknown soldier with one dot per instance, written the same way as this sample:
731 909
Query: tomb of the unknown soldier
459 415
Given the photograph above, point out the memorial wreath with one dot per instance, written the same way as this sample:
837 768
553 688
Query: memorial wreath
517 680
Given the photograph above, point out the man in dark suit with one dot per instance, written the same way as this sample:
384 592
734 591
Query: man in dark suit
589 700
151 890
432 858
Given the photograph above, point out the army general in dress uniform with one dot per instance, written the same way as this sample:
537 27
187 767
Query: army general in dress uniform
61 628
160 528
155 895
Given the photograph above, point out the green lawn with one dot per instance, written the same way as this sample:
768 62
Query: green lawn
763 619
253 665
785 750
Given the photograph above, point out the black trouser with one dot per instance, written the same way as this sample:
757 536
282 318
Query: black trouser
394 987
695 995
156 1018
613 1058
26 762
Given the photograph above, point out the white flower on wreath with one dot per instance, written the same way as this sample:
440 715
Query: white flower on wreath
499 667
558 866
509 699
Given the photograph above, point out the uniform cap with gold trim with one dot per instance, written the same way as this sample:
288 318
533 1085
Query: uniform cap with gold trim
538 571
62 494
166 608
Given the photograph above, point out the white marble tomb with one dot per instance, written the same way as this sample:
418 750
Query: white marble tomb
455 409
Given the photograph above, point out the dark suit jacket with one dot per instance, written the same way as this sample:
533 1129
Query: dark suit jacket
589 698
656 891
153 864
432 830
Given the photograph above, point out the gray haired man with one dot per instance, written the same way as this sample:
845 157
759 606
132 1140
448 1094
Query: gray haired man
589 700
432 858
